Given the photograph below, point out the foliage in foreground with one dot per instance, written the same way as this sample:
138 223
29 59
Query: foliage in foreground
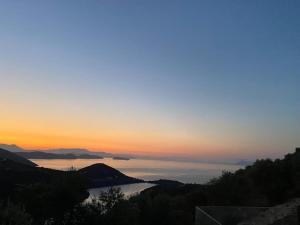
13 214
265 183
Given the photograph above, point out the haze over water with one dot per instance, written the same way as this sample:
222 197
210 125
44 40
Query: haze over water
186 172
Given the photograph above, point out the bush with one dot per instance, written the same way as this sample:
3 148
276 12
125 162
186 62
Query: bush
12 214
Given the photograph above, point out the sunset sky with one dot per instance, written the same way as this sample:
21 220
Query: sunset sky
180 78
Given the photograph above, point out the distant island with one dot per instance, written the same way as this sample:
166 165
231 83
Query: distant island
120 158
59 153
45 155
16 169
82 153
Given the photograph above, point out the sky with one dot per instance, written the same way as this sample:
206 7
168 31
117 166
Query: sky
198 79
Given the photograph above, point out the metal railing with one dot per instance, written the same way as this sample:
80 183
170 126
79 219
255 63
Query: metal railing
208 216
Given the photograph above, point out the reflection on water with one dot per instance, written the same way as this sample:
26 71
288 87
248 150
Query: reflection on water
187 172
128 190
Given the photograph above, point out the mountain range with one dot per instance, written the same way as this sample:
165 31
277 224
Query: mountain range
60 153
46 155
81 153
11 148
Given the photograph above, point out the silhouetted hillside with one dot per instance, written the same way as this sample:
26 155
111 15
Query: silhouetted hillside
48 193
16 170
7 155
14 175
43 192
11 148
265 183
54 194
100 175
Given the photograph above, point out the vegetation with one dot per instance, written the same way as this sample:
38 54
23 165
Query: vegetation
14 214
59 201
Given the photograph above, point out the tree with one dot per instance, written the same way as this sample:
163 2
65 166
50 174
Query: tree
12 214
110 198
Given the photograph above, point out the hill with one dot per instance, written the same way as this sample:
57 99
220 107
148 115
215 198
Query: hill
265 183
7 155
15 169
11 148
44 192
100 175
57 193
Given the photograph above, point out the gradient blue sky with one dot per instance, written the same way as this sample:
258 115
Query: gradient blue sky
195 78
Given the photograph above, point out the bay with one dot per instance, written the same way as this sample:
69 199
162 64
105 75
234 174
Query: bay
186 172
127 189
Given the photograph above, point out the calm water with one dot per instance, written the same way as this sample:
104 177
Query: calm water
127 189
187 172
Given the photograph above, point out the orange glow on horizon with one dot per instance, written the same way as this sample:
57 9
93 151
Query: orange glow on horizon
121 144
32 130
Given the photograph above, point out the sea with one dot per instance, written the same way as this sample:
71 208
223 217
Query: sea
183 171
